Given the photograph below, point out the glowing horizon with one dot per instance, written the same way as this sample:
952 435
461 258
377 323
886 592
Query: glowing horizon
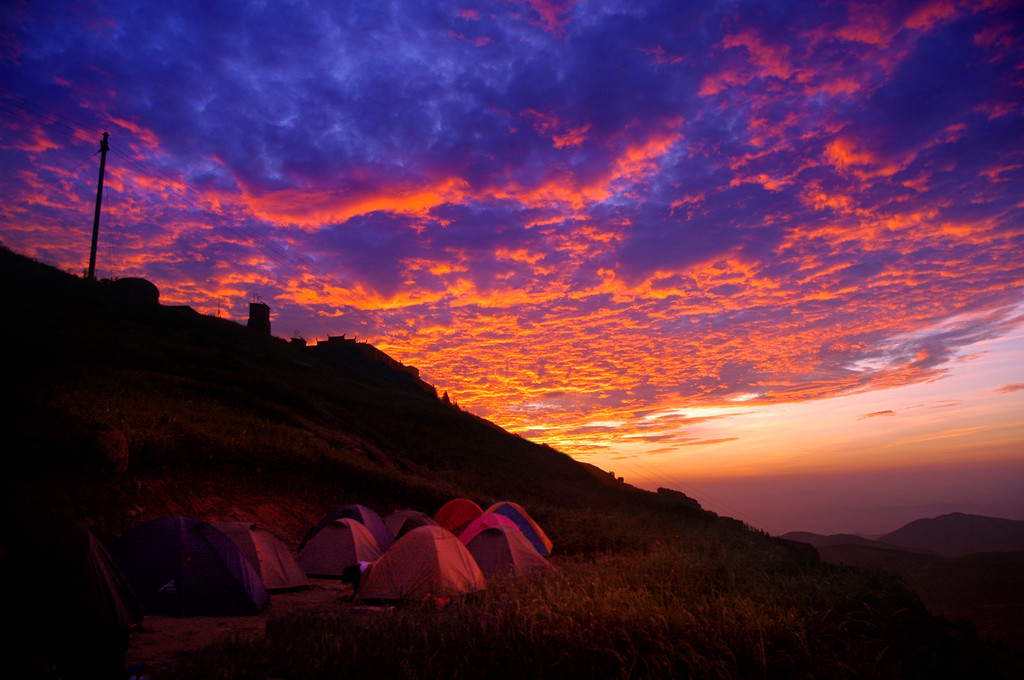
643 234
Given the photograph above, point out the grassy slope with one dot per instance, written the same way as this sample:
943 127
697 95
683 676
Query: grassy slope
207 401
224 424
984 589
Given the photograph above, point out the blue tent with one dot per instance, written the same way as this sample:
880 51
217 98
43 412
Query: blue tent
184 567
360 513
526 524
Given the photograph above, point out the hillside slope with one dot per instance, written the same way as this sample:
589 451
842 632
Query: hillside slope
127 410
982 587
220 420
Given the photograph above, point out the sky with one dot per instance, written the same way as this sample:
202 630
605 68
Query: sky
768 254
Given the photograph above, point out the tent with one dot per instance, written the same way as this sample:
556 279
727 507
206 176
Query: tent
526 524
401 522
338 545
184 567
429 561
456 514
359 513
266 553
504 551
66 604
487 521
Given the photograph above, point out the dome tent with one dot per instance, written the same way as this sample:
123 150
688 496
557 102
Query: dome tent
487 521
401 522
429 561
268 555
526 524
337 546
456 514
503 551
67 607
360 513
182 566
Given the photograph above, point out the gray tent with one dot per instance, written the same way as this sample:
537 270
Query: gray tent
401 522
268 555
336 546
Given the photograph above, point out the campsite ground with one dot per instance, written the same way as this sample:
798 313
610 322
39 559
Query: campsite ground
162 640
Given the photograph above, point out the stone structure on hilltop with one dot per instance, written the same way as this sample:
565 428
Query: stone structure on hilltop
259 316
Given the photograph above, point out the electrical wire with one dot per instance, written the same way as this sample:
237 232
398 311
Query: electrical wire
647 472
28 110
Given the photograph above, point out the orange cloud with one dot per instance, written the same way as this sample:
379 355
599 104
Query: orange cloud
148 137
930 14
847 156
770 60
36 142
999 38
562 134
635 162
868 24
312 208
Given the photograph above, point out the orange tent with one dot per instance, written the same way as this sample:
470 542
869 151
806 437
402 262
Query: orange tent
429 561
269 557
457 513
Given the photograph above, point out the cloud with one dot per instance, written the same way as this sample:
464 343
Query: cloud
564 213
706 442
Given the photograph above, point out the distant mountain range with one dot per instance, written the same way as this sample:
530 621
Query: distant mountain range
959 534
951 535
963 567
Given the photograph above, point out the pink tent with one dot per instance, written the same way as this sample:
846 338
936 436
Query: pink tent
482 522
505 552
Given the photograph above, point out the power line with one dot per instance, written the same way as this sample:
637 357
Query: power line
650 473
53 182
56 122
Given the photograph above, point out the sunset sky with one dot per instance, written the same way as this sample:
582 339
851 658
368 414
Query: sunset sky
768 254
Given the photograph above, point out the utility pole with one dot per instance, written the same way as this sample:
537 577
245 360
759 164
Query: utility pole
99 198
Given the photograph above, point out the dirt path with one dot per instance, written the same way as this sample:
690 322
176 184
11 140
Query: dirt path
162 640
